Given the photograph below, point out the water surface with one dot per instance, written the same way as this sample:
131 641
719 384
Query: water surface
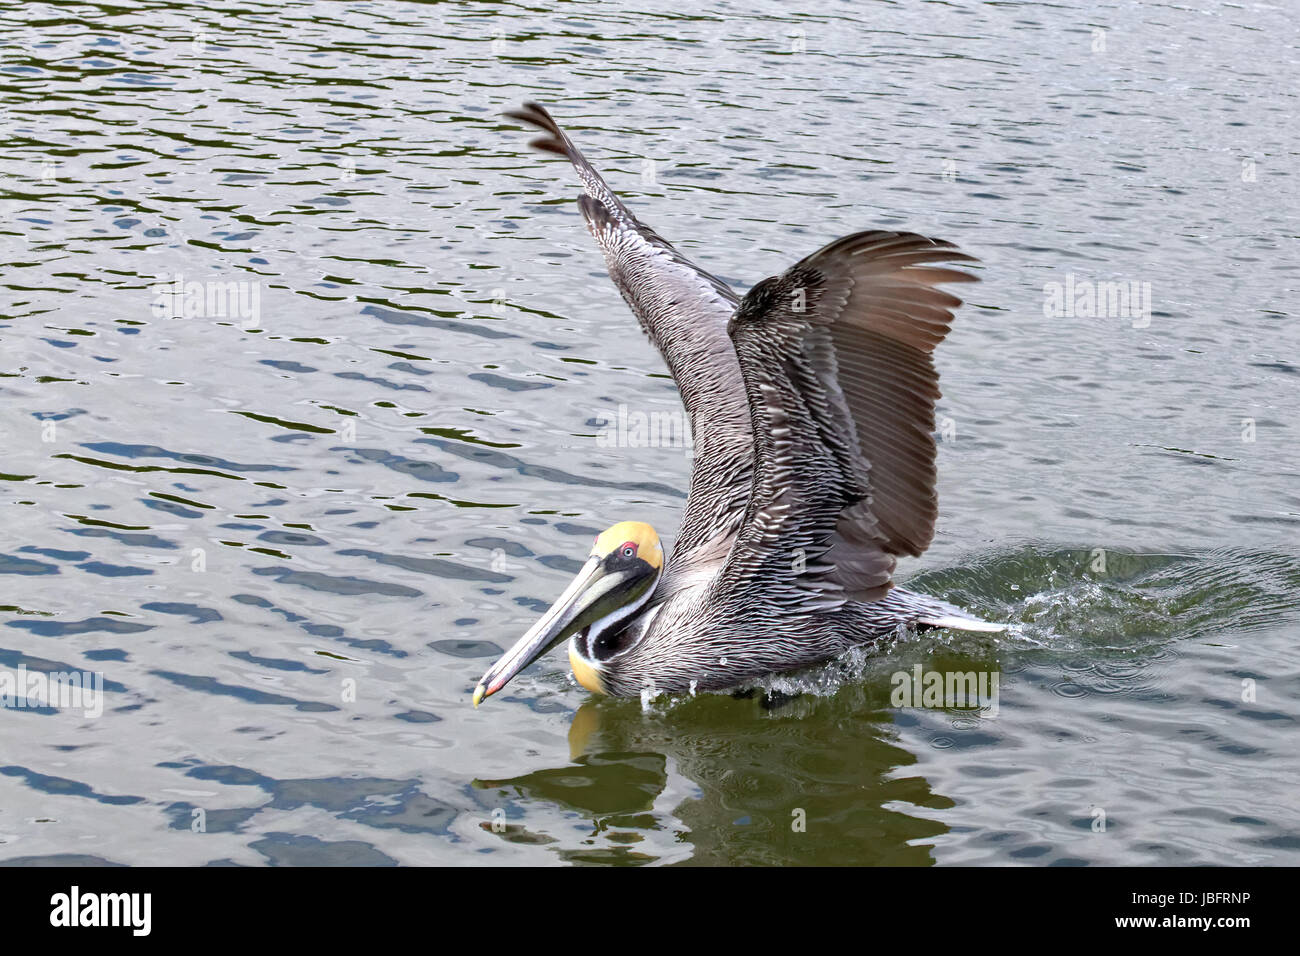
293 525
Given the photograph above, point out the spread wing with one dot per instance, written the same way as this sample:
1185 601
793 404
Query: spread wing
684 310
838 371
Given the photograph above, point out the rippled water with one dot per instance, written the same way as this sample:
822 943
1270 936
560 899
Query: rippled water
292 525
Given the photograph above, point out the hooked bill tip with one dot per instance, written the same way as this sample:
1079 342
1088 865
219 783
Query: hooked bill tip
485 690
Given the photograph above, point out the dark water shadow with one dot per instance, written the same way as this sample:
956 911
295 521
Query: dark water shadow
811 780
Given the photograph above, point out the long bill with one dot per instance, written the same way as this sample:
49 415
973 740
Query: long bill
565 617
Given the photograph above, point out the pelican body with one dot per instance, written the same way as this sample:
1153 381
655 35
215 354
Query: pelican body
811 401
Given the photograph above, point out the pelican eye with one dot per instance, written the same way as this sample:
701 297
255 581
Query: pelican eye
629 550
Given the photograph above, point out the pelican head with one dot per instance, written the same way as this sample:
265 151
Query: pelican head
617 580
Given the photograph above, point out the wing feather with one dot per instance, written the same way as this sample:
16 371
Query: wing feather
836 356
684 310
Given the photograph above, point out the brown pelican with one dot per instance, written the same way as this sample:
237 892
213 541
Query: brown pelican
811 403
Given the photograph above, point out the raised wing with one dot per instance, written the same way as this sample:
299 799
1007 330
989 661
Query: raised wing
684 310
836 359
